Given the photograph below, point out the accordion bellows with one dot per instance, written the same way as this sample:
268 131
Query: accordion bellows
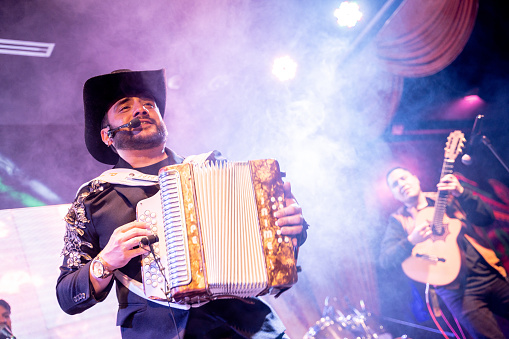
217 233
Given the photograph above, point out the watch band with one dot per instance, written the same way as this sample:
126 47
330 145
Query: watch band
105 272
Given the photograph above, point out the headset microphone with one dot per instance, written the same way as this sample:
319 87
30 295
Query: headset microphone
131 124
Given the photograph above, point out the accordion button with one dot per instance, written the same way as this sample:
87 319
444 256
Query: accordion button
147 212
149 282
153 214
273 199
287 239
154 284
279 240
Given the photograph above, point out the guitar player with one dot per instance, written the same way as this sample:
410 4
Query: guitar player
481 288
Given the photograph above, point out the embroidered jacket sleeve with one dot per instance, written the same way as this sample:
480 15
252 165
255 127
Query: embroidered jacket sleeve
81 245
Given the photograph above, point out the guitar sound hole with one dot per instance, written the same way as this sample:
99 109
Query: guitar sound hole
438 230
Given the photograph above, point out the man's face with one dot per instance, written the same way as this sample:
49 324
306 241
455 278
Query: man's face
152 131
5 317
404 186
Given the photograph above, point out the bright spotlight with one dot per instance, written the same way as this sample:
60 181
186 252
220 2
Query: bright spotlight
348 14
284 68
473 98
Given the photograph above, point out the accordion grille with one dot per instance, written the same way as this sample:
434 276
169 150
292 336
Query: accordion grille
232 242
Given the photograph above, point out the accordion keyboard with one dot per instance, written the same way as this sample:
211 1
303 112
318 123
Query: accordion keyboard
152 273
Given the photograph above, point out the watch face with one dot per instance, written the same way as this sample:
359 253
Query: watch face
97 269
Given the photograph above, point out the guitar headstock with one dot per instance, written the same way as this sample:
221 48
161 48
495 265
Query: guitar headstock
454 145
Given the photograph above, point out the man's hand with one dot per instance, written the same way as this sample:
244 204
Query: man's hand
290 218
450 183
420 233
120 248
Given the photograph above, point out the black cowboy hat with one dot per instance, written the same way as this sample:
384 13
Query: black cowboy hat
101 92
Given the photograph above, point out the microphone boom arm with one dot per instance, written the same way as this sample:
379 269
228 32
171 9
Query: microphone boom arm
488 144
132 124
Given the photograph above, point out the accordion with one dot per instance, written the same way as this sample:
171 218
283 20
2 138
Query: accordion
217 233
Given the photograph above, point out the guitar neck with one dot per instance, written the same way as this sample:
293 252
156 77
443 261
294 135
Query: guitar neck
441 203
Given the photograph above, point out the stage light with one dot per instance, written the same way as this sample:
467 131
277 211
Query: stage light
284 68
472 99
26 48
463 108
348 14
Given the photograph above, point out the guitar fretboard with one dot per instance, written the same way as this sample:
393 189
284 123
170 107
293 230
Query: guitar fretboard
441 203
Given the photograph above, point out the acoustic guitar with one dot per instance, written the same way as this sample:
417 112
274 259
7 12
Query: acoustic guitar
437 260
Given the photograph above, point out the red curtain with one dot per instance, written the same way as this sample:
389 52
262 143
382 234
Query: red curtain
423 37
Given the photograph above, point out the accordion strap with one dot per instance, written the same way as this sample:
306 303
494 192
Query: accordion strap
124 176
204 157
129 177
132 177
137 288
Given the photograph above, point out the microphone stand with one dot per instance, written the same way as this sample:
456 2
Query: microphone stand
488 144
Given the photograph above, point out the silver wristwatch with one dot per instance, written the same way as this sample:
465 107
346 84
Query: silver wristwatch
99 269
